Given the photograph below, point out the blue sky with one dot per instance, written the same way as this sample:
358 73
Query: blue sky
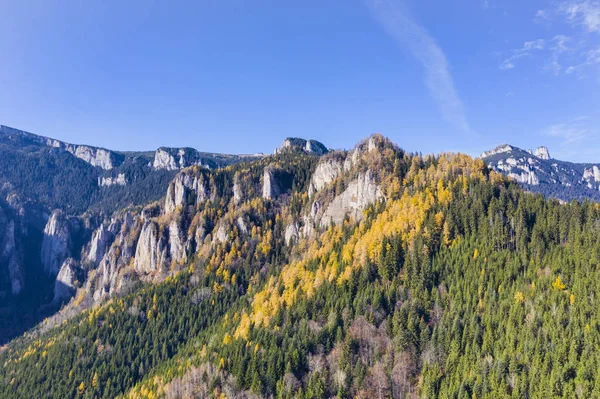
240 75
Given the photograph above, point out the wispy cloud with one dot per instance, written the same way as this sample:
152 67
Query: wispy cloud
542 17
572 131
582 13
398 22
526 50
587 59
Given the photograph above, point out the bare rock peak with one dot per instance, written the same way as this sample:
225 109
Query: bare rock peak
298 144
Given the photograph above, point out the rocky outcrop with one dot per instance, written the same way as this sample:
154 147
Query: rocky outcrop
241 225
591 174
271 187
542 153
297 144
101 240
113 271
56 242
238 196
10 255
360 194
94 156
177 242
151 254
184 183
501 149
112 181
325 173
64 286
292 233
176 158
221 235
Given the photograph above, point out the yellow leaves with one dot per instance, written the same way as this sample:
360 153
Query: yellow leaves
95 380
572 299
519 297
475 254
227 339
222 363
217 288
81 388
243 328
558 284
587 328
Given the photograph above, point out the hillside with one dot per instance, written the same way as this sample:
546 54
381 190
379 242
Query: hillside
54 195
362 273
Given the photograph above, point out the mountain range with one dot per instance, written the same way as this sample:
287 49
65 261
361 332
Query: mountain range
307 273
538 172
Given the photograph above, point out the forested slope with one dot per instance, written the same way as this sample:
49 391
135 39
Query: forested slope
454 283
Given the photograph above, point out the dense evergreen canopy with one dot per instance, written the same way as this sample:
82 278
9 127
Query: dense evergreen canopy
459 285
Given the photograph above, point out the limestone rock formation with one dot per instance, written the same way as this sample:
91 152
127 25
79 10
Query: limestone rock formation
64 286
297 144
359 194
292 233
271 187
112 181
238 196
176 158
56 242
184 183
542 153
152 249
325 173
10 255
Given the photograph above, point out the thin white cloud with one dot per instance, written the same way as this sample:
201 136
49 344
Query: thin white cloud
572 131
582 13
542 17
589 58
561 44
396 19
526 50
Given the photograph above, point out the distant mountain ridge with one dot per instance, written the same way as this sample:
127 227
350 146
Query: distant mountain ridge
538 172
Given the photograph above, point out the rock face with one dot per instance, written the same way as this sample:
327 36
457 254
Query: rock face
292 233
112 181
359 194
56 242
542 153
238 196
176 158
270 186
501 149
297 144
179 189
152 249
177 242
120 241
326 172
94 156
101 239
64 287
10 255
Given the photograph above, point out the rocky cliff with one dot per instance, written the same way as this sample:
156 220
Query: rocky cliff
297 144
11 256
56 245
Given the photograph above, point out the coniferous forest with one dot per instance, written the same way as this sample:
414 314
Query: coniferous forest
455 283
